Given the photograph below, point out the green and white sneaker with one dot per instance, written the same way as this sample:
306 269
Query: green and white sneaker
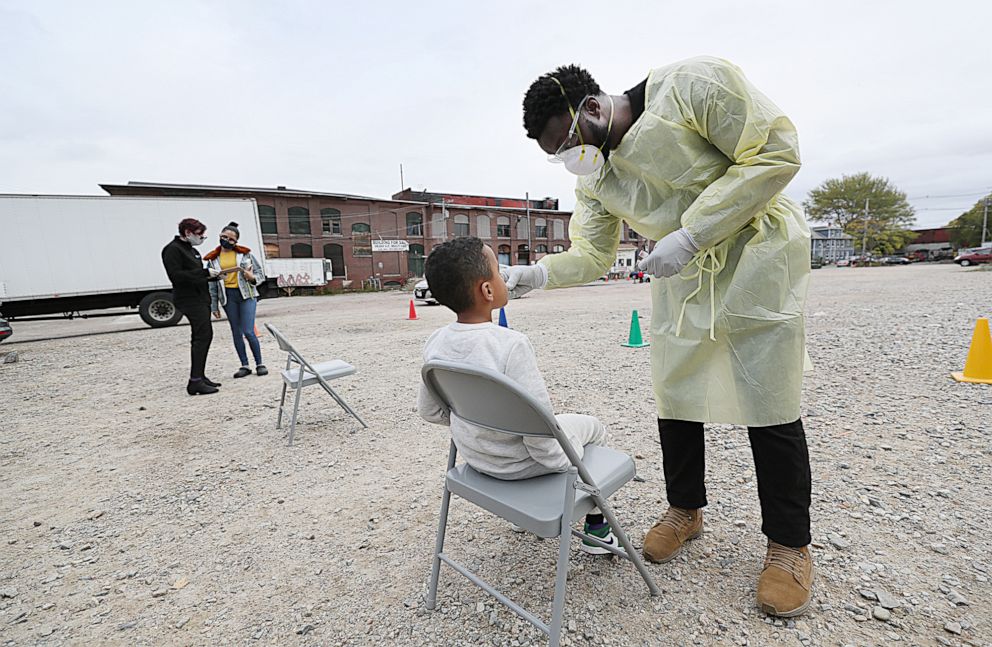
604 533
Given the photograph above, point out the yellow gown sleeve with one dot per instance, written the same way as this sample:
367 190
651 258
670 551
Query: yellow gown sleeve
595 236
726 110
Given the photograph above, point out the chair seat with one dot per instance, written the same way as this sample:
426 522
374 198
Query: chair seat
333 369
536 503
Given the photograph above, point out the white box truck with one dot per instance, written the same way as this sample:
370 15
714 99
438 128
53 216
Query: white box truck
290 273
69 254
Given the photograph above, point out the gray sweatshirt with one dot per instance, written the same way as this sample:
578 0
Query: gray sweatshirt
505 351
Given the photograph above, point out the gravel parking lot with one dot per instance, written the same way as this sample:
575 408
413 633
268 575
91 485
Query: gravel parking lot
133 514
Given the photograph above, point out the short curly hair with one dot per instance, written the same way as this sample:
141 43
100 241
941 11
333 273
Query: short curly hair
453 269
544 99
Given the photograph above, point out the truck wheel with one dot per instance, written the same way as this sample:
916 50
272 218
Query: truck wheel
158 311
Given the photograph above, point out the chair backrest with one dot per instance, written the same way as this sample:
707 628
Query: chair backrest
289 348
487 399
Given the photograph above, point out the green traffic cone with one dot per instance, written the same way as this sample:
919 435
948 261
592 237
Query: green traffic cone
635 340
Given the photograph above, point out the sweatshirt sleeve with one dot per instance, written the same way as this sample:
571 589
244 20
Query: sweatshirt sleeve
430 409
172 258
521 367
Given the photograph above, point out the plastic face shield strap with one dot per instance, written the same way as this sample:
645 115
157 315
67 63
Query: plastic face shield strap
573 129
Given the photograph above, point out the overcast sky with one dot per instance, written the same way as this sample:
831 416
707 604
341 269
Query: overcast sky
334 96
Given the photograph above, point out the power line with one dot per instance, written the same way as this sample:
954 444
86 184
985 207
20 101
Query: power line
950 195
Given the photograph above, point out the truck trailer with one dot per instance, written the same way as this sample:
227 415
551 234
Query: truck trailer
66 255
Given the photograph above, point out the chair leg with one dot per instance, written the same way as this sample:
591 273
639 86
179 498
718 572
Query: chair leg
296 408
564 544
442 526
632 554
282 401
337 398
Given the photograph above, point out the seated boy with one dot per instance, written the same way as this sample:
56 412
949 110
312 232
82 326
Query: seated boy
463 275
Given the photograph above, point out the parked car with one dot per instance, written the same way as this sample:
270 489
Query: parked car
844 262
5 330
423 293
895 260
974 257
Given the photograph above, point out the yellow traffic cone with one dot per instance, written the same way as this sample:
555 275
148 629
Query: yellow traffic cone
978 366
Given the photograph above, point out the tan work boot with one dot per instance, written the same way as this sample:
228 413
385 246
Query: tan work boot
785 587
664 541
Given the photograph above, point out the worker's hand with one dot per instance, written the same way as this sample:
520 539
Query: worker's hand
213 272
521 279
670 255
217 314
247 274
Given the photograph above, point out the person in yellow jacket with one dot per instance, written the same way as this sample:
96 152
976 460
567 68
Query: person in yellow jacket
696 158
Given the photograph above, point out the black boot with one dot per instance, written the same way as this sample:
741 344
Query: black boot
209 382
260 370
244 370
200 387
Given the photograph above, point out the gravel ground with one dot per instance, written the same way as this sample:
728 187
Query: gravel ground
132 514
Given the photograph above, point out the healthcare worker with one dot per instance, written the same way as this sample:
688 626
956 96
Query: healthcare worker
695 158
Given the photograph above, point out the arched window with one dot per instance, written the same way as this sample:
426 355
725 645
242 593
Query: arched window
415 260
541 249
361 239
559 229
502 227
415 224
504 254
522 224
461 225
271 250
557 249
523 254
330 221
483 228
540 228
299 220
267 219
335 253
302 250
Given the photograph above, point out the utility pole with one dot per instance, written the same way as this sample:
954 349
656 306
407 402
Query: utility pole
864 239
402 184
985 221
530 246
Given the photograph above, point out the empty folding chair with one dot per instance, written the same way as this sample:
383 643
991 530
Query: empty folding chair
545 505
306 374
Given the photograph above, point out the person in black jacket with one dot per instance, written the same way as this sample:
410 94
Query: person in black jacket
191 295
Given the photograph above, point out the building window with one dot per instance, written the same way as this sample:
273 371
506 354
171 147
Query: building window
335 254
415 260
302 250
461 225
631 234
559 229
439 228
330 221
522 225
271 250
299 220
503 255
414 224
540 228
267 219
502 227
557 249
523 254
483 228
361 239
541 249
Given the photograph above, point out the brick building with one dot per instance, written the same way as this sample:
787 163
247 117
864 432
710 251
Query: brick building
340 227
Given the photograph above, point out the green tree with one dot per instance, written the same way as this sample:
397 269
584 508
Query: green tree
967 228
842 202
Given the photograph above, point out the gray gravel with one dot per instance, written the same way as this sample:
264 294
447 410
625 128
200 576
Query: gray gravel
132 514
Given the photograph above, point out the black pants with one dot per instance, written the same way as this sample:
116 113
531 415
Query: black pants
201 334
781 465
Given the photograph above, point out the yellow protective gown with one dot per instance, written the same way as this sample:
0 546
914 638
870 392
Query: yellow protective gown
712 154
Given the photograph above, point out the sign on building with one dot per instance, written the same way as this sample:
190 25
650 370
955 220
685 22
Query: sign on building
390 245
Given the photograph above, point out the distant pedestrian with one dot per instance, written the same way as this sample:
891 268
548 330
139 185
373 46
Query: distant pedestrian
237 293
191 296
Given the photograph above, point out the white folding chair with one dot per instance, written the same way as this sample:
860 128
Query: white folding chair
545 505
306 374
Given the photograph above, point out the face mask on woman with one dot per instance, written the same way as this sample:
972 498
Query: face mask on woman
194 239
226 244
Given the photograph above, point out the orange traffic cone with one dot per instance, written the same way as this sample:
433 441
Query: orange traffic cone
413 311
978 366
257 334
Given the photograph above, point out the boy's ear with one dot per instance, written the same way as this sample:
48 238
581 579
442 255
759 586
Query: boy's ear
487 291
